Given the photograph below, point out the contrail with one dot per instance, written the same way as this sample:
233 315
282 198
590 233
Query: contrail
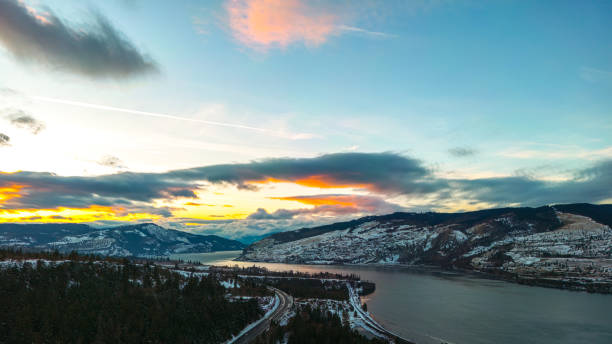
151 114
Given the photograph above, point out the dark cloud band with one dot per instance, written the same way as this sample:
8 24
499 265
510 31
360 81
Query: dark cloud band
379 173
97 50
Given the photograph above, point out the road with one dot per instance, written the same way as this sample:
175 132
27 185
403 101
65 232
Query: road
369 321
285 303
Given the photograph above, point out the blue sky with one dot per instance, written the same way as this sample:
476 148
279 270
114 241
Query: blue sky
472 90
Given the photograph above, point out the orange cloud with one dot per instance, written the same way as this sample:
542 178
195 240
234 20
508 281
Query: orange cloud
196 204
41 18
339 200
315 181
264 23
326 182
10 191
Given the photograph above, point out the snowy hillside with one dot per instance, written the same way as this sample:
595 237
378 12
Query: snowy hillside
133 240
519 243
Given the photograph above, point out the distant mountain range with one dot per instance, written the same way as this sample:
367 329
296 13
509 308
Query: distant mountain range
567 246
141 240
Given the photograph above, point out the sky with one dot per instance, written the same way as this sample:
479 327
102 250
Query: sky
247 117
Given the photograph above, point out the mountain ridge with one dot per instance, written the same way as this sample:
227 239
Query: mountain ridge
568 245
145 239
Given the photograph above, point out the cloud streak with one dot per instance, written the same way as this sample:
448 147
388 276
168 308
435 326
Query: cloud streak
297 136
365 32
96 50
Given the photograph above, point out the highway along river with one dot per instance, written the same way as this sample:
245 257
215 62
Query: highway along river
435 307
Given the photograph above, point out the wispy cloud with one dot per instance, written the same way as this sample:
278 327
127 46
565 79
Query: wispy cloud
559 153
111 161
595 75
200 25
282 134
261 24
96 50
366 32
462 152
22 119
8 92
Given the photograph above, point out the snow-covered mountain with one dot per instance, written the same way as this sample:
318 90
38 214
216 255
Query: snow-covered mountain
132 240
569 244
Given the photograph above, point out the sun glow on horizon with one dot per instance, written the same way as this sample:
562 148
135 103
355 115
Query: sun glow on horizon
92 213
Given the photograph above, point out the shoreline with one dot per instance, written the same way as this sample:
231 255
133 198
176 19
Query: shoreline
563 282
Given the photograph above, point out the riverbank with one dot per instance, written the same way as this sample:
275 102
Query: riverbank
590 284
429 305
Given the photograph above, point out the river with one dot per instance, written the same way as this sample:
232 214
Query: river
431 307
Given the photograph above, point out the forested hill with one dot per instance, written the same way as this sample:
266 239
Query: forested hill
78 299
144 240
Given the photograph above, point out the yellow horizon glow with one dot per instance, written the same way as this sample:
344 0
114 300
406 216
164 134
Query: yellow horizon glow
217 202
76 215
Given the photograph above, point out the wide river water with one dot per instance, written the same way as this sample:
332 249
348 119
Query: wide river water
432 307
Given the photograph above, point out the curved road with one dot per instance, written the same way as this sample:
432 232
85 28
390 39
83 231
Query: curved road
285 303
369 321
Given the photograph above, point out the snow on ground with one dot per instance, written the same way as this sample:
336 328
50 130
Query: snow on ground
371 242
526 251
189 274
5 264
272 308
230 284
284 320
349 311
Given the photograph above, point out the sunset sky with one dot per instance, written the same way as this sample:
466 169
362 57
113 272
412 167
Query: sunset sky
241 118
